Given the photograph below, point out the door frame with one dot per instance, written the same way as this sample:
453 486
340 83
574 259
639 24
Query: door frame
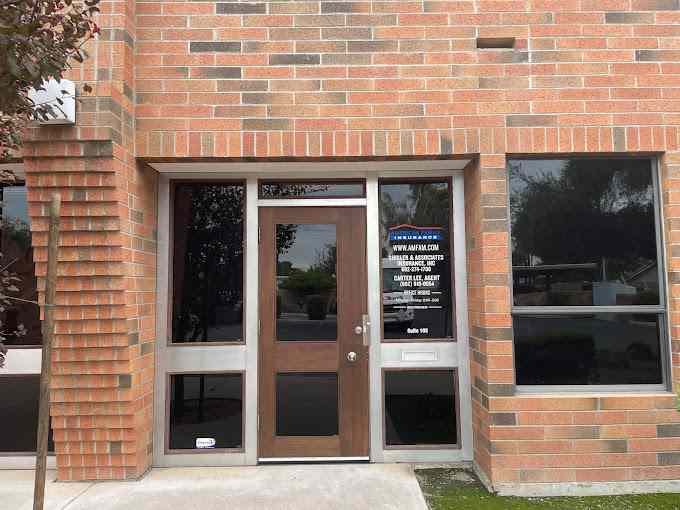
244 357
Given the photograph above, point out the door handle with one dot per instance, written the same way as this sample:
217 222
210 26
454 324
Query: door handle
366 329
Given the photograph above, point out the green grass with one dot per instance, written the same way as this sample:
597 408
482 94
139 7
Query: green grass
455 489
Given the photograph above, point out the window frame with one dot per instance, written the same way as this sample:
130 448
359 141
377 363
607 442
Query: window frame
20 183
660 310
423 180
170 341
456 402
167 404
293 181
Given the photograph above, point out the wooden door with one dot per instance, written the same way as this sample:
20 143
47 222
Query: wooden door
313 393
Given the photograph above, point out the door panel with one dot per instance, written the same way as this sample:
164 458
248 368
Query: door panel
312 296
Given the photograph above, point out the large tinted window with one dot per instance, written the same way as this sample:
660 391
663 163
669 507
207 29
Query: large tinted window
588 349
420 407
583 238
19 411
416 259
208 262
19 317
583 232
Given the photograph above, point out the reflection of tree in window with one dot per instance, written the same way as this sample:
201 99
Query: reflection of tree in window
582 221
208 265
19 320
419 204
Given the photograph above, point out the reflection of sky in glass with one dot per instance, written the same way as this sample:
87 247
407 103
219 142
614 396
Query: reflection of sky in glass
309 242
537 169
542 169
14 205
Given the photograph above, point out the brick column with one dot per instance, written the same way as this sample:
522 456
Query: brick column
488 252
102 387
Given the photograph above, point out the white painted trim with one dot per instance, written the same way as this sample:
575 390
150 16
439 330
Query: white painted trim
542 490
252 293
432 354
312 202
162 304
25 461
463 343
374 284
22 361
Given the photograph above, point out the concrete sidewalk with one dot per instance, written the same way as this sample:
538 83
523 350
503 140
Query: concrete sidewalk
282 487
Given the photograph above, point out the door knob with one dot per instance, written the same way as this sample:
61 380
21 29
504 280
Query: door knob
351 356
358 330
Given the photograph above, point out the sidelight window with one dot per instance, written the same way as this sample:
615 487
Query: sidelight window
207 278
415 219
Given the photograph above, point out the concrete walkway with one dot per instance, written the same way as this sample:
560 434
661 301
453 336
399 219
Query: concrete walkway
282 487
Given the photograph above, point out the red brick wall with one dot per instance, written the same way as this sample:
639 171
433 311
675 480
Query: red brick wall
179 79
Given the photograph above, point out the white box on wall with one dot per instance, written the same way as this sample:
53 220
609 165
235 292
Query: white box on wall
65 90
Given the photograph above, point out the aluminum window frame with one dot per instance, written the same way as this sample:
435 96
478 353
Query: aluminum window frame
244 356
173 184
661 310
449 180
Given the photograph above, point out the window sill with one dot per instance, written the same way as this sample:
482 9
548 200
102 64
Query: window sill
590 391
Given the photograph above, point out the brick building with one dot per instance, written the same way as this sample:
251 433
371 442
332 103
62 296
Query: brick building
472 204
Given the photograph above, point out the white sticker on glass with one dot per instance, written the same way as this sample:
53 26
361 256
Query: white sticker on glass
205 442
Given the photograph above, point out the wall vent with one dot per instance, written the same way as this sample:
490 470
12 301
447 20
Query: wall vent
495 42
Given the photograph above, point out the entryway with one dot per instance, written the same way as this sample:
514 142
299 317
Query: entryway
311 312
313 354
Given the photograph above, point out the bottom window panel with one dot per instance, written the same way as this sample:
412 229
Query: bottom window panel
206 411
602 348
19 411
307 404
420 407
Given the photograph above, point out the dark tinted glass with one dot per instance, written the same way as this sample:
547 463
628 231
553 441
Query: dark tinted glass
206 411
588 349
306 304
307 404
416 264
19 320
583 232
208 263
420 407
19 411
311 189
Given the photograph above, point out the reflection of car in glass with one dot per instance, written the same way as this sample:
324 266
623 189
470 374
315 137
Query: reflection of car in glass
395 299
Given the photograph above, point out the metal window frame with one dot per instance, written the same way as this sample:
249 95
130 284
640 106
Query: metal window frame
660 309
22 361
244 356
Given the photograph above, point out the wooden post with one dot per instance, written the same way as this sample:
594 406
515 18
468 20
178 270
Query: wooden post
46 368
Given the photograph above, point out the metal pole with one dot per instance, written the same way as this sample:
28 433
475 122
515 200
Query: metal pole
46 368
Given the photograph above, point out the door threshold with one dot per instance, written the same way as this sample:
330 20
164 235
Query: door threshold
304 460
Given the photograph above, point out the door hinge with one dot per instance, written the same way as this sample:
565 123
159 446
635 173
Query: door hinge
259 327
259 235
258 421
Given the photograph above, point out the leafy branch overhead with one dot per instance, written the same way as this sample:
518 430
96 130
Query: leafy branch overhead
39 39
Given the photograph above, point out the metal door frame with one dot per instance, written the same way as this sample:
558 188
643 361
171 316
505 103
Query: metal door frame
244 357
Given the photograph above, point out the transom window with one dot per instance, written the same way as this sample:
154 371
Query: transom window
587 302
